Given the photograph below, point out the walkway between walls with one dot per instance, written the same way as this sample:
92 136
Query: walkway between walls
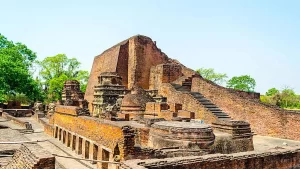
53 146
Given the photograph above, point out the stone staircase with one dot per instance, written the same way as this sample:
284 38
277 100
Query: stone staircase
186 88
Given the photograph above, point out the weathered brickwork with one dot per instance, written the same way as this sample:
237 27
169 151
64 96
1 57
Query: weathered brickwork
103 132
283 159
132 59
31 156
143 54
148 106
264 120
106 62
164 73
188 102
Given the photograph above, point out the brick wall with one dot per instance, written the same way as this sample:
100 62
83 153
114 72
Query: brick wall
31 156
163 73
106 62
264 119
143 54
122 65
270 160
132 59
188 102
103 132
48 128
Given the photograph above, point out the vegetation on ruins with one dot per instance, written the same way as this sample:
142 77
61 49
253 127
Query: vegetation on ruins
210 74
55 70
285 98
244 83
15 71
16 74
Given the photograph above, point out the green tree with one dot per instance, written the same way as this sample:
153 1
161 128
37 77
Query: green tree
244 83
15 76
272 92
288 98
55 70
210 74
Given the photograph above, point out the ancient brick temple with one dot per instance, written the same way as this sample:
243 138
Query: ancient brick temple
147 111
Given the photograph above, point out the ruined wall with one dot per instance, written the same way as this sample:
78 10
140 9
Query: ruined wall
264 120
48 128
106 62
91 128
143 54
102 132
188 102
17 121
122 65
164 73
271 160
132 59
31 156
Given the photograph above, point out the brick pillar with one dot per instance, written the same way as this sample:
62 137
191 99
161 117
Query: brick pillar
77 149
83 148
129 140
91 152
62 135
59 134
67 138
99 157
72 142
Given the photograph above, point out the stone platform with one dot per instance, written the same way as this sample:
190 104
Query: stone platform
181 134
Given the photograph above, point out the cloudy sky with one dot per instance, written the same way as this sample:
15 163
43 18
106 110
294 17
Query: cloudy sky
260 38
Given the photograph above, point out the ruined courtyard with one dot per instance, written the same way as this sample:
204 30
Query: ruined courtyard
144 110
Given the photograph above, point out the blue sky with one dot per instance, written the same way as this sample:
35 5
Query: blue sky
260 38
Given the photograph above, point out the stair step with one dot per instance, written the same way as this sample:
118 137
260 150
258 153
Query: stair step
214 109
220 113
211 106
207 103
217 112
224 116
203 100
199 97
227 118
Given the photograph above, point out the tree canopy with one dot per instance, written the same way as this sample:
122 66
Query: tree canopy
285 98
244 83
272 92
55 70
15 76
211 75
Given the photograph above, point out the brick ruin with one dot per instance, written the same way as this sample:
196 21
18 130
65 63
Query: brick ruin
144 110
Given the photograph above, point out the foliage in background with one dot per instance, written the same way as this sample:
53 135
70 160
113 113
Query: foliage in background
244 83
286 98
55 70
18 97
210 74
15 76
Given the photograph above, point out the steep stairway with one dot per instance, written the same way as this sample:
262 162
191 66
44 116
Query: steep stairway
186 88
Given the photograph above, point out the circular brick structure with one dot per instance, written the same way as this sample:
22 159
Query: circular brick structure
166 134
